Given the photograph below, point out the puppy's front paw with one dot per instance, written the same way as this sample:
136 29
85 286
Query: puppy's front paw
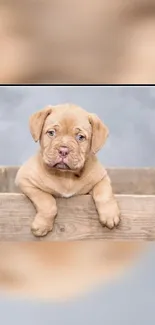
110 217
41 228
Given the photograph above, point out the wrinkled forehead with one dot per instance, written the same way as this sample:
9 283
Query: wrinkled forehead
68 120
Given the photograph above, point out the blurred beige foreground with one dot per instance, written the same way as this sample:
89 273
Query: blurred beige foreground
60 271
77 41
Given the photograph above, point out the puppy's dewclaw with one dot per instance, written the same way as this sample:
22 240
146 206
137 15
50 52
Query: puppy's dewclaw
66 165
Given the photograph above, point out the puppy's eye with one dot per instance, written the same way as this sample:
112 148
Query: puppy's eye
80 137
51 133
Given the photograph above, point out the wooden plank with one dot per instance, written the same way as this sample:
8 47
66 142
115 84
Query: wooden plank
124 180
3 179
133 180
77 219
7 179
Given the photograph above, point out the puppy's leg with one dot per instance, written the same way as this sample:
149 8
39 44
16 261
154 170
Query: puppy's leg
106 204
45 205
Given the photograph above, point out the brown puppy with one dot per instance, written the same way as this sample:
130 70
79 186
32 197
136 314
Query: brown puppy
66 165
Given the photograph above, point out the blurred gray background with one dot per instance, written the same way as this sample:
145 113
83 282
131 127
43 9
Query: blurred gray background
130 114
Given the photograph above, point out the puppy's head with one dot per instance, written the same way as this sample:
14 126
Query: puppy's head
68 135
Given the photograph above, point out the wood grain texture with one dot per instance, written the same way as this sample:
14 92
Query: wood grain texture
124 180
77 219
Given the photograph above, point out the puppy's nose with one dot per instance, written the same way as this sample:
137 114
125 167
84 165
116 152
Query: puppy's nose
63 151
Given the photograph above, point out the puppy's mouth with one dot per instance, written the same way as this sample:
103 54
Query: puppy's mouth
61 165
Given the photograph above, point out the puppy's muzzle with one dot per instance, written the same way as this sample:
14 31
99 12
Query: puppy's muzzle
63 152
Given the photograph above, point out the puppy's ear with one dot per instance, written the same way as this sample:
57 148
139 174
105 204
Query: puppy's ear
36 122
100 133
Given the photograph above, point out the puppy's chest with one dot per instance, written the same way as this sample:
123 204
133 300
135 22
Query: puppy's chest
62 186
66 188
